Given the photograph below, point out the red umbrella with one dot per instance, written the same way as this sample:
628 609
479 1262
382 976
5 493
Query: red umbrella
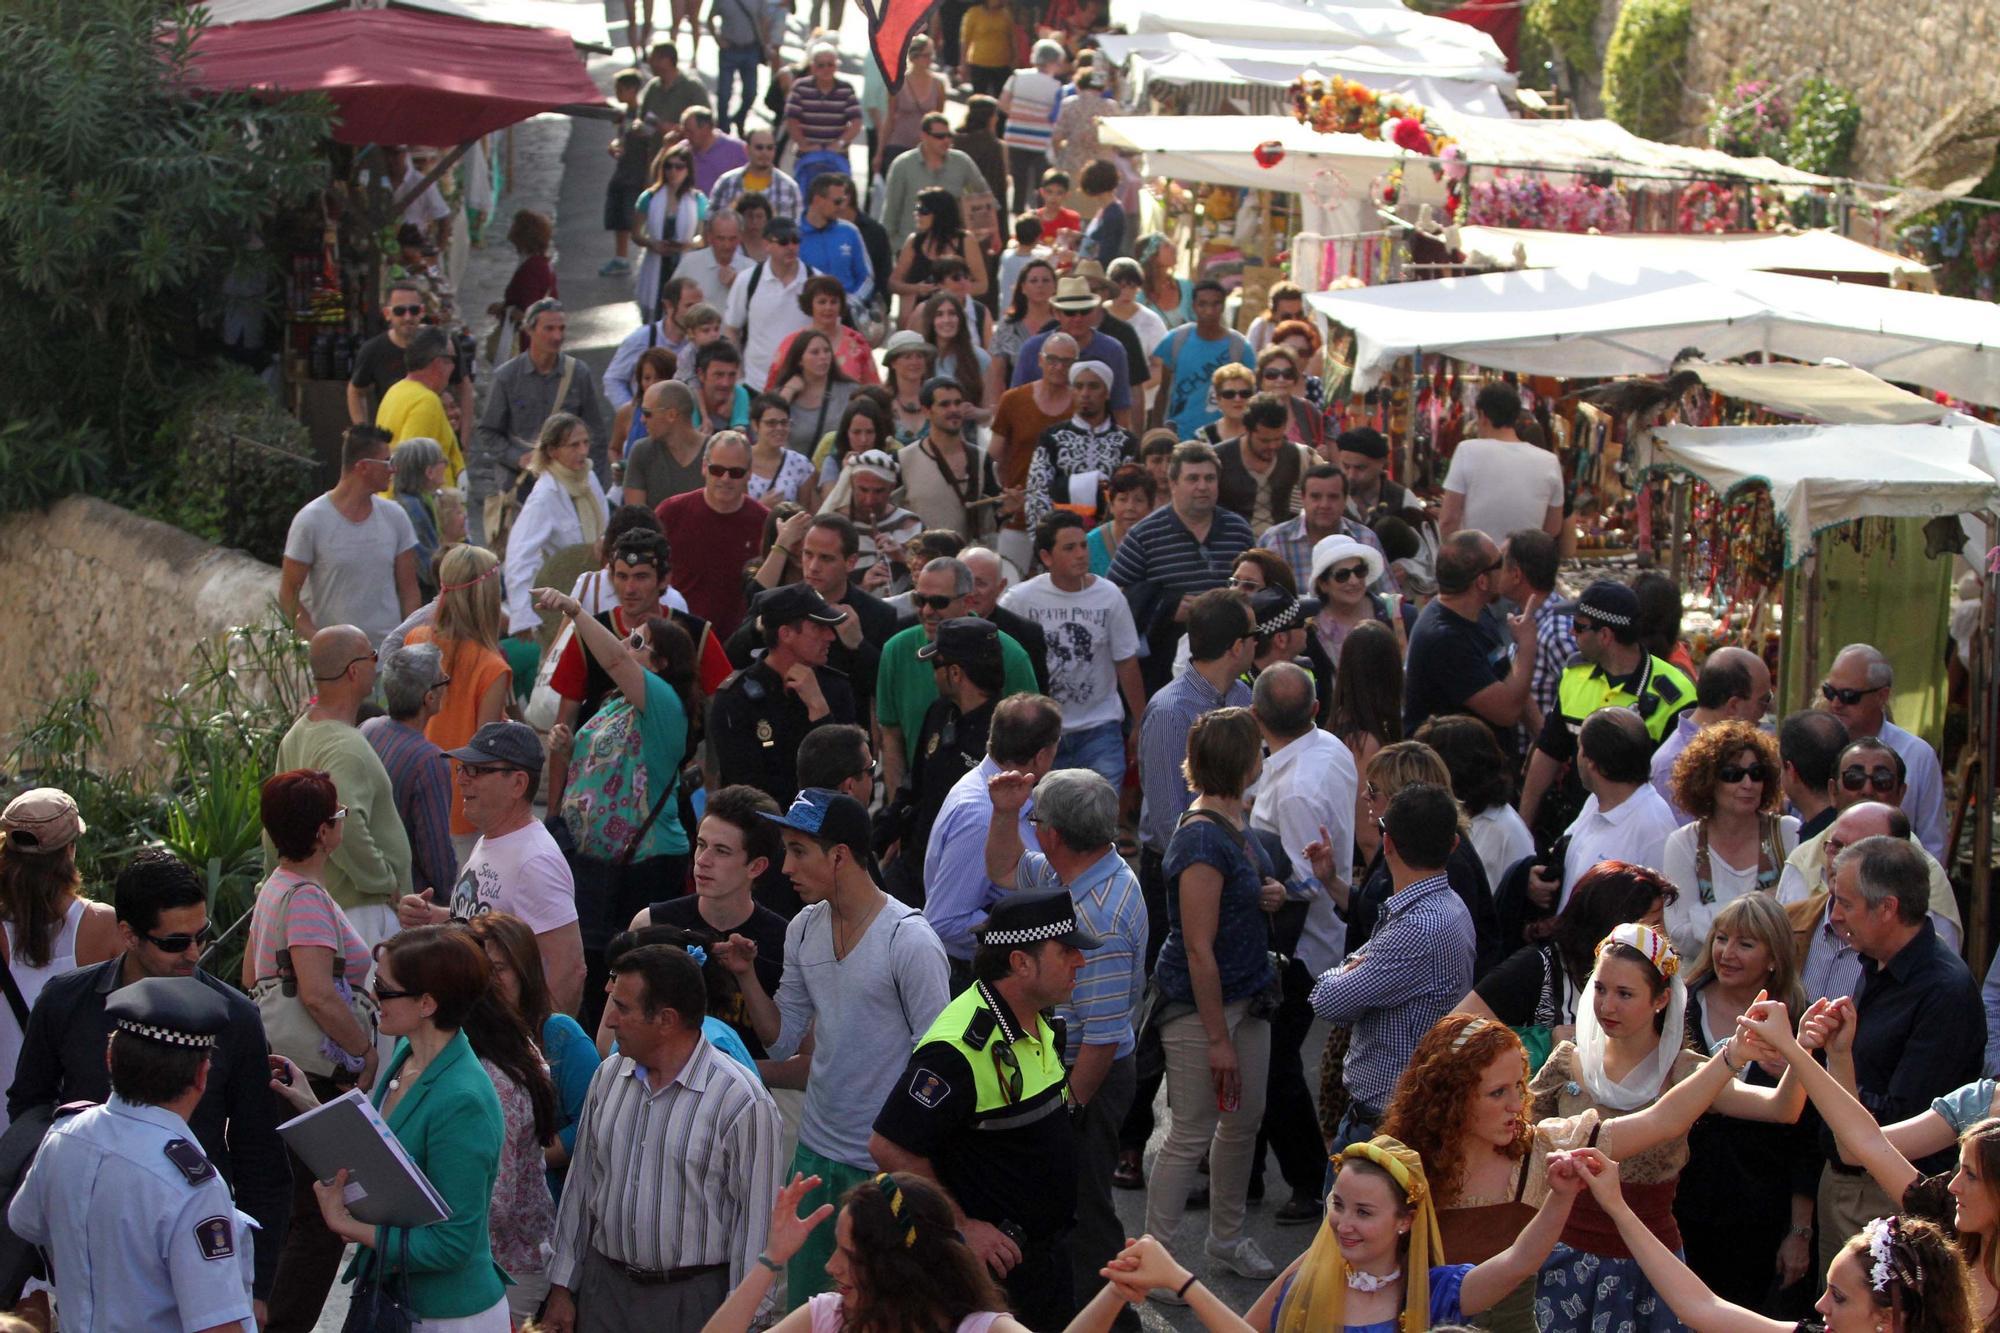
396 76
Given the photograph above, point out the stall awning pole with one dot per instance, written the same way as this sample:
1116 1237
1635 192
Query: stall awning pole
1986 753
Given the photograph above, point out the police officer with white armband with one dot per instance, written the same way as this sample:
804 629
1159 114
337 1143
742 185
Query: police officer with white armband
983 1105
139 1227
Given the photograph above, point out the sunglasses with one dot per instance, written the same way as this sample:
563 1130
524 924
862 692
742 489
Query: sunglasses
180 943
484 770
384 994
636 641
1731 774
677 165
1349 572
1008 1066
733 473
369 657
935 134
406 310
340 813
1281 374
1833 693
782 240
1244 585
1232 395
1883 780
932 603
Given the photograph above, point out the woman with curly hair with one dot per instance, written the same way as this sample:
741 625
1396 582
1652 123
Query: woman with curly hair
1727 778
899 1265
1232 386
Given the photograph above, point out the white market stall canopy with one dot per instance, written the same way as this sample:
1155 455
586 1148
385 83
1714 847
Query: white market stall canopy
1384 27
1835 394
1811 252
1203 75
1600 322
584 22
1821 476
1217 150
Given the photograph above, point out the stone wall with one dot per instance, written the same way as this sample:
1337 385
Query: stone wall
92 586
1909 64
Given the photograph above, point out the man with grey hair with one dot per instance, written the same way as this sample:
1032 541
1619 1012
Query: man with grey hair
989 582
1919 1031
413 682
906 685
526 391
1305 794
1075 829
1856 691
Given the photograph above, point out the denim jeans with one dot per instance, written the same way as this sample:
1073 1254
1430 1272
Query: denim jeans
737 60
1100 748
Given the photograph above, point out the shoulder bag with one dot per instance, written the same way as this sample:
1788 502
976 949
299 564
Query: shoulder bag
289 1026
380 1302
543 701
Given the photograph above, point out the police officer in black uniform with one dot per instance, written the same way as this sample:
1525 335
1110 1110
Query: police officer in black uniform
983 1105
762 712
970 672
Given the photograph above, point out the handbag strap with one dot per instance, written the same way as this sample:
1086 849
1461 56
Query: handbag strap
632 846
15 1001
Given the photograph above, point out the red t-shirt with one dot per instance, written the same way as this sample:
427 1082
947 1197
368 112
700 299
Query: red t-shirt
571 678
1066 219
711 554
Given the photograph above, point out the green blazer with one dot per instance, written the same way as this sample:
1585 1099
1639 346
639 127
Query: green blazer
450 1124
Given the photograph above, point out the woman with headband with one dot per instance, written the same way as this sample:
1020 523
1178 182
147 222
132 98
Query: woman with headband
1376 1265
1463 1105
1626 1055
898 1265
1899 1275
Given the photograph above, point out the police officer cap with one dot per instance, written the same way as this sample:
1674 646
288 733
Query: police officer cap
1277 610
1607 602
963 639
178 1011
790 604
1030 918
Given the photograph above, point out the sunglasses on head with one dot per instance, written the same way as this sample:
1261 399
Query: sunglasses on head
406 310
1833 693
1232 395
1855 778
931 603
733 473
1347 572
180 943
1731 774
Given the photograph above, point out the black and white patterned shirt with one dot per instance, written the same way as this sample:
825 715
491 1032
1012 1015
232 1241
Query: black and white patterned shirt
1068 449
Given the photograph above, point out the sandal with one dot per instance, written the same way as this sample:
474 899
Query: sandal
1129 1174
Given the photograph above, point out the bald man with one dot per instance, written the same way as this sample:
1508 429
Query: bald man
370 870
1857 691
1832 968
1734 686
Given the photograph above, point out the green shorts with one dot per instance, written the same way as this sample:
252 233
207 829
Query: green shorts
805 1276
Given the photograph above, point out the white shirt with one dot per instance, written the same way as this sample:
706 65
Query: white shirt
773 317
547 524
1309 785
1635 831
1500 839
1508 485
1089 632
702 266
593 591
1924 801
1688 917
522 873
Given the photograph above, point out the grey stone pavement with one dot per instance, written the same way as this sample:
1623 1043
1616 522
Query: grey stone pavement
560 167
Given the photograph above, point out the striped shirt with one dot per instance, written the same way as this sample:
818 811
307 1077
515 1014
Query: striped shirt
1414 968
822 113
1160 561
420 777
1555 648
1031 119
1163 733
783 192
681 1177
1108 986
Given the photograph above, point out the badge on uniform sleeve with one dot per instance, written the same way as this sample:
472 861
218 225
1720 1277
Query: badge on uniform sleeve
928 1088
216 1237
931 749
764 731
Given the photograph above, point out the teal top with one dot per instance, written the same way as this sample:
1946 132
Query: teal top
572 1058
624 758
1967 1106
1178 315
450 1124
1100 551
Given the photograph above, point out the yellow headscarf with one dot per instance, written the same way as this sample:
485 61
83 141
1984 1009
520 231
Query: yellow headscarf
1319 1292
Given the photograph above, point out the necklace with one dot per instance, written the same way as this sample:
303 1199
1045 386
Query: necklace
1361 1281
406 1072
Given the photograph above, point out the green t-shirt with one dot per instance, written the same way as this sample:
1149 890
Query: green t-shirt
905 686
609 795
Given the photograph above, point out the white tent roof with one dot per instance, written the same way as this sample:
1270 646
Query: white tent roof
1585 322
1818 251
1384 25
1216 149
584 22
1258 71
1823 475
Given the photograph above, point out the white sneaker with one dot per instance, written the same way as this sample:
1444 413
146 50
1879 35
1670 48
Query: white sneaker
1243 1258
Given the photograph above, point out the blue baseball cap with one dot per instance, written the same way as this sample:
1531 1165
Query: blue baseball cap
829 817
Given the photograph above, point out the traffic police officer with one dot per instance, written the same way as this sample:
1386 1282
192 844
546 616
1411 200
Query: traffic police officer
1610 669
762 712
971 674
138 1225
983 1105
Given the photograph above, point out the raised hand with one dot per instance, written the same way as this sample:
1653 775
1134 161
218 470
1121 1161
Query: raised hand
737 954
1143 1265
554 599
1010 790
1319 854
788 1230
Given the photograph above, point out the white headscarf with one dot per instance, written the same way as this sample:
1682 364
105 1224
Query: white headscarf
1647 1079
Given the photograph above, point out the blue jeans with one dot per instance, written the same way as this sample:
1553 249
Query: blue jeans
1100 748
746 61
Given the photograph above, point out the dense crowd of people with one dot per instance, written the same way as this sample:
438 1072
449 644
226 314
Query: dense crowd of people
772 820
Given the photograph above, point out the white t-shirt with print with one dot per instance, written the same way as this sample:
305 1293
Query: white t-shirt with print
1089 632
521 873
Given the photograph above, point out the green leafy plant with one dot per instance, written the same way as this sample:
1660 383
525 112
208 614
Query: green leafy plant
1752 118
238 466
1567 27
1825 120
1644 66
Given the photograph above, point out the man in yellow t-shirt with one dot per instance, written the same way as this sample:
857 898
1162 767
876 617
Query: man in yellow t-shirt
413 408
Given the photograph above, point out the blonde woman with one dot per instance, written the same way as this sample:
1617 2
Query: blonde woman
467 633
1232 386
566 508
1738 1204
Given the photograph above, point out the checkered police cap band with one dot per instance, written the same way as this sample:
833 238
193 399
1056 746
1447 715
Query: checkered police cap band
1030 934
167 1035
1602 616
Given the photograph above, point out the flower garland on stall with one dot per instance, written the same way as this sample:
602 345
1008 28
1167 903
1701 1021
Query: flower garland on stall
1335 105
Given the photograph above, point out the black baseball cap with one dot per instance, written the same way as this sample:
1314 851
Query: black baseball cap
831 818
514 744
963 639
791 603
